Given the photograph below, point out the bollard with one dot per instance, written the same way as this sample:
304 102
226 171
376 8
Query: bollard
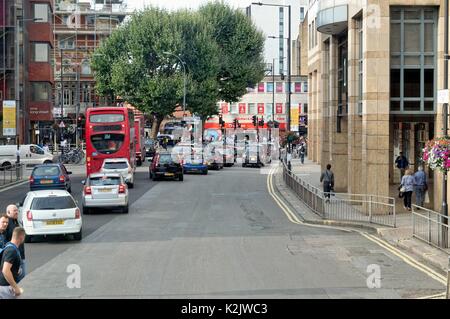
447 296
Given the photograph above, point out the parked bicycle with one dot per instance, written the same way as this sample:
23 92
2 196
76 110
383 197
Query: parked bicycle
73 156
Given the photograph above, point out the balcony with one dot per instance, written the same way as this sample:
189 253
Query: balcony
332 16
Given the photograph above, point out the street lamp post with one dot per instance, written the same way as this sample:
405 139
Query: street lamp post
288 109
17 79
184 78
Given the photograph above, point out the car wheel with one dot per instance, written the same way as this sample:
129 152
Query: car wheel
243 165
125 210
28 239
86 211
180 177
205 172
78 236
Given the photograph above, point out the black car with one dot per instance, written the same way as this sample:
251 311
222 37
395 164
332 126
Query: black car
164 166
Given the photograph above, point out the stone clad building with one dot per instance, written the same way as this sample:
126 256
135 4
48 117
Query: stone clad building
374 68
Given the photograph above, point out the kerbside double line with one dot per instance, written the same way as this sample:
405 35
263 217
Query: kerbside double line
393 250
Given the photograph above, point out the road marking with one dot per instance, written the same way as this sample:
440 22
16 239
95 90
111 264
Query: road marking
12 186
382 243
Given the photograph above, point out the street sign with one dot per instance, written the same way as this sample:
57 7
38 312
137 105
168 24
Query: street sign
62 125
9 118
443 96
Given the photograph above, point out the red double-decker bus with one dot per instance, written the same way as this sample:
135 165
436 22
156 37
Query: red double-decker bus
109 134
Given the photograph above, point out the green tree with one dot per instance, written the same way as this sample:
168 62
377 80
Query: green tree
241 48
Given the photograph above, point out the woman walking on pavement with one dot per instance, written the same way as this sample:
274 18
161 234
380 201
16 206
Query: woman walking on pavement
407 188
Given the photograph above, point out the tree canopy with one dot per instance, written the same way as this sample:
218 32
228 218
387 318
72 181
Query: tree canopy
141 61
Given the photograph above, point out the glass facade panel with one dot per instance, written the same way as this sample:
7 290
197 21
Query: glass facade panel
413 59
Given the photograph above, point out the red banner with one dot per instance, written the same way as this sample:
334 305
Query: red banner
298 87
242 108
261 87
224 108
260 108
279 87
279 109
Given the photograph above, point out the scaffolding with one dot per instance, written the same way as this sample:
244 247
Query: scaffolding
78 28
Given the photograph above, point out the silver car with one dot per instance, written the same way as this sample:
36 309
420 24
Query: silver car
121 166
105 190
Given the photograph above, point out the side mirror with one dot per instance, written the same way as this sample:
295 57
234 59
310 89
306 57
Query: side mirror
69 173
83 182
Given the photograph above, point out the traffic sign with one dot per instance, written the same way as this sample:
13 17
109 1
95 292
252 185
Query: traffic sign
443 96
62 125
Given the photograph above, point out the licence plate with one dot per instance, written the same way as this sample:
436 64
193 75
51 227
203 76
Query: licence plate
104 190
46 181
169 174
55 222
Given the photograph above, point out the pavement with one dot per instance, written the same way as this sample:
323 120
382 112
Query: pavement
223 236
401 236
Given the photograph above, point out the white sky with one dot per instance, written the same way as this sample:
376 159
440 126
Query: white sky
176 4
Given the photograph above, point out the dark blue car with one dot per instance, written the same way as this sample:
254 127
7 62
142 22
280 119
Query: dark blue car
50 176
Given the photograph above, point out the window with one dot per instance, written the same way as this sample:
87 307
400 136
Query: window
40 52
106 118
251 108
41 11
302 14
413 59
52 203
359 34
85 67
269 87
107 143
41 91
234 108
342 81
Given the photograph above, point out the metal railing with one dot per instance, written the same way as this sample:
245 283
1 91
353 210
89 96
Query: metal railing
343 206
431 227
11 174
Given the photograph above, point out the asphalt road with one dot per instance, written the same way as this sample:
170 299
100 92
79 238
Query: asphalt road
43 249
220 236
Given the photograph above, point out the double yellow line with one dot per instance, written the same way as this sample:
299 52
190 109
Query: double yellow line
393 250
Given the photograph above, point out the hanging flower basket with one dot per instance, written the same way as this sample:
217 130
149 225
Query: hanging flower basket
436 154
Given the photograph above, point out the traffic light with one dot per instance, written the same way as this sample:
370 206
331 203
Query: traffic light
254 120
221 121
261 122
235 123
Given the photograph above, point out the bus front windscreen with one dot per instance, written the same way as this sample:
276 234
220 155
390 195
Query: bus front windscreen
107 143
106 118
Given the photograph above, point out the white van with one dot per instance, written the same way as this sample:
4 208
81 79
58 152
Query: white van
30 155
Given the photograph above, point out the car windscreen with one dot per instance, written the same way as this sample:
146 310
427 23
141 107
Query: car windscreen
46 171
104 181
108 143
165 159
115 165
106 118
53 203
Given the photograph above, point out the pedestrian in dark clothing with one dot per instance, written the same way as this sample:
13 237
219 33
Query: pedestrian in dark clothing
402 164
420 186
13 214
4 220
327 178
407 188
301 153
10 266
